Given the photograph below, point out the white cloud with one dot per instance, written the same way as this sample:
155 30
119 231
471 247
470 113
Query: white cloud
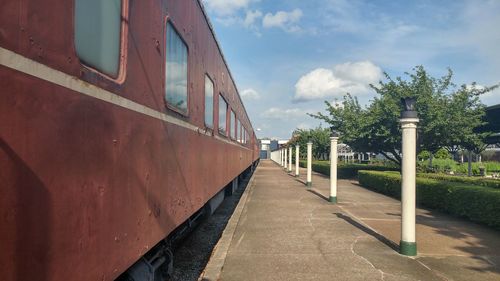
250 94
284 20
303 126
284 114
226 7
353 78
489 98
251 17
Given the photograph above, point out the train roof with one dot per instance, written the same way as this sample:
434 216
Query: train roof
200 3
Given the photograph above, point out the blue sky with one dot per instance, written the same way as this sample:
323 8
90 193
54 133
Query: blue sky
289 56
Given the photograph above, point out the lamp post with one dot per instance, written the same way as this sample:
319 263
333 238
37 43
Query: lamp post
333 165
297 160
409 120
285 159
309 163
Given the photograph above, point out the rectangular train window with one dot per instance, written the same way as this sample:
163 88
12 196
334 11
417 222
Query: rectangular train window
176 70
232 125
209 102
98 34
222 115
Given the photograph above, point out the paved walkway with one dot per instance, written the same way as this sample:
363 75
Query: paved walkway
282 231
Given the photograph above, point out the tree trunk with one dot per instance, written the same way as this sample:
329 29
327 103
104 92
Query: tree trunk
469 168
430 161
396 160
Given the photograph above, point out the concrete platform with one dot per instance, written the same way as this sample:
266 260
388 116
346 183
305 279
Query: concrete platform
283 231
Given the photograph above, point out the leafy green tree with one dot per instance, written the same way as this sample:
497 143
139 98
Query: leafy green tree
466 114
376 128
320 137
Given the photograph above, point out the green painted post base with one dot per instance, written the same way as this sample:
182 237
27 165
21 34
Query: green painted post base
309 184
333 199
408 248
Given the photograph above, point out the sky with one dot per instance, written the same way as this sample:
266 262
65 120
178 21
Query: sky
288 57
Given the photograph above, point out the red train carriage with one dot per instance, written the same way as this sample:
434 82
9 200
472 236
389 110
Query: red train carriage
119 121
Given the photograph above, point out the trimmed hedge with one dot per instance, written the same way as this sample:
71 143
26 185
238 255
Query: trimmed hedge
345 171
470 180
477 203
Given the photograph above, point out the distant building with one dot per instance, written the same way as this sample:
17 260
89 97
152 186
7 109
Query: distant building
265 148
268 145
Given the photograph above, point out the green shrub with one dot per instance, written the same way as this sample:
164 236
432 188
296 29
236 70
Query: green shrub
446 165
424 155
491 167
477 203
494 183
442 153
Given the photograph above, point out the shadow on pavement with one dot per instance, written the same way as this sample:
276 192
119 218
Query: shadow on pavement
477 240
481 249
369 231
301 181
318 194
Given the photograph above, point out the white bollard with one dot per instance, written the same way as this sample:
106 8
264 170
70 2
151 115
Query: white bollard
333 169
309 164
408 245
282 156
290 153
286 157
297 161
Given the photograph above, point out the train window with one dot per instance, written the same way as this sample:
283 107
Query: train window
209 102
222 115
98 34
232 125
176 70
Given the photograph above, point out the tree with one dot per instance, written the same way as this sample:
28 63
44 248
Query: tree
466 114
376 128
320 137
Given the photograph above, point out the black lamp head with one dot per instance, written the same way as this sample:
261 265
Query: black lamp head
409 107
333 132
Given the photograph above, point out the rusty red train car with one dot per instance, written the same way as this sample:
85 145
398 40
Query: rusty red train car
119 122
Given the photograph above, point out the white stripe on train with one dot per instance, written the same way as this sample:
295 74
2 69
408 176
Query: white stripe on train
17 62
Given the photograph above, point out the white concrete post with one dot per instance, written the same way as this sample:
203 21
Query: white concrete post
286 158
297 160
282 157
290 153
309 164
333 169
408 245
